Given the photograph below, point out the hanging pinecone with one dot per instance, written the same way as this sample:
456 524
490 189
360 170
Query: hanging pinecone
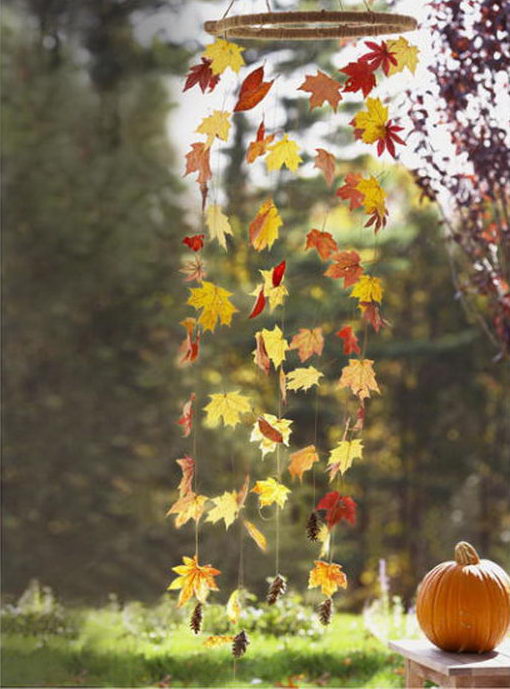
240 644
196 618
325 611
277 588
313 526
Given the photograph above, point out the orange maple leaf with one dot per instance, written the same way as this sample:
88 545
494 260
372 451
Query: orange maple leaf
302 461
198 160
193 580
186 418
359 376
322 241
260 354
264 227
194 270
350 192
260 145
308 342
253 90
326 162
187 465
190 506
346 266
328 576
323 88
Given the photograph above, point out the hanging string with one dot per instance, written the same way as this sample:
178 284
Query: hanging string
194 455
278 467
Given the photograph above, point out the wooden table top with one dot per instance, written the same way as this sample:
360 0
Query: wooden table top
497 662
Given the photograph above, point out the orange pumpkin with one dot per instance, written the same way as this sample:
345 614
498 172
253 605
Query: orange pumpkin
464 605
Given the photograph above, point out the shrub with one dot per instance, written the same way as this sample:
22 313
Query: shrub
37 613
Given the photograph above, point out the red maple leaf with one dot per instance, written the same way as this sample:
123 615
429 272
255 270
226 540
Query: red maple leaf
387 140
337 507
269 432
349 192
253 90
278 273
379 56
322 241
203 76
361 77
390 136
371 313
377 219
195 242
259 305
346 266
350 340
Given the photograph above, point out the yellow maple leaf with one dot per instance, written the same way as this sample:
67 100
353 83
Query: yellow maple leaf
190 506
224 54
276 345
406 55
226 507
271 491
368 288
266 444
255 534
218 640
308 342
374 196
215 126
215 304
227 406
359 376
233 607
193 580
276 295
218 224
303 378
342 456
328 576
302 461
372 121
264 227
284 152
324 537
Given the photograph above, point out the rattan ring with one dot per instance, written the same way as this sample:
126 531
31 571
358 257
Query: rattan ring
310 26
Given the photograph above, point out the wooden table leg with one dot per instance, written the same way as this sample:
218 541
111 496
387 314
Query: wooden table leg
414 675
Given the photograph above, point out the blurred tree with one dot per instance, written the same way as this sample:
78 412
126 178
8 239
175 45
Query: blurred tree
469 98
89 227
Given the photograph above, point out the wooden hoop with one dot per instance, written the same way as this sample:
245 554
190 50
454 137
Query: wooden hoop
309 26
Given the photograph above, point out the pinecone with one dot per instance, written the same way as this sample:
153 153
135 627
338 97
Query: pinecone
196 618
240 644
277 589
313 526
325 611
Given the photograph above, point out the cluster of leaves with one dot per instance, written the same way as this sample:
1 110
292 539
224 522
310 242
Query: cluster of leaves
214 306
471 44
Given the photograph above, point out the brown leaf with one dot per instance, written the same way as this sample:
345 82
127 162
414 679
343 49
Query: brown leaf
326 162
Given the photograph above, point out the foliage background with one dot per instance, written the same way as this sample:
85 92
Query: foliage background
95 208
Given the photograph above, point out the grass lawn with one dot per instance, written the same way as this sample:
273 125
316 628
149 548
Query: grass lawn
105 654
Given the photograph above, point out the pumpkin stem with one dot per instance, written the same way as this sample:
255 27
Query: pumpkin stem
465 554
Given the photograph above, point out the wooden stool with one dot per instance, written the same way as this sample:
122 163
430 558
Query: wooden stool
427 662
